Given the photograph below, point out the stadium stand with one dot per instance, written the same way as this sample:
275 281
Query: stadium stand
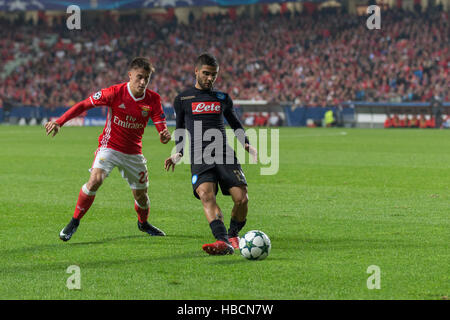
309 59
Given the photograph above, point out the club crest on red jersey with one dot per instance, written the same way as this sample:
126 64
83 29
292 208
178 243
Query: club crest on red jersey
145 110
206 107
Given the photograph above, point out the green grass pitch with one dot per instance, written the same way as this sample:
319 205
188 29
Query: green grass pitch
340 202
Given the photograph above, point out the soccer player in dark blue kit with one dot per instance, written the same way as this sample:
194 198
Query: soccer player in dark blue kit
201 110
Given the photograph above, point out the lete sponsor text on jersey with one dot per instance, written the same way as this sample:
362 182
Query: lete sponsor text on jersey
205 107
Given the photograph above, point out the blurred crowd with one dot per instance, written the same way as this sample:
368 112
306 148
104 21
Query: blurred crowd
263 119
314 60
417 121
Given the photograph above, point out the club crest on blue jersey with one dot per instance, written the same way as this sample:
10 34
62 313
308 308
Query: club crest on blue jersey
194 178
220 95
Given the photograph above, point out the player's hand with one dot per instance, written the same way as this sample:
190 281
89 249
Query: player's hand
164 136
253 152
172 161
52 126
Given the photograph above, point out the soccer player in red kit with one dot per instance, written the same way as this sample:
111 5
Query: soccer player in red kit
130 105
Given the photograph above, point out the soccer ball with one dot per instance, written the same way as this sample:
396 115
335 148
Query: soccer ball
255 245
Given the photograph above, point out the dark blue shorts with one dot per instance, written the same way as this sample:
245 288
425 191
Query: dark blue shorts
227 176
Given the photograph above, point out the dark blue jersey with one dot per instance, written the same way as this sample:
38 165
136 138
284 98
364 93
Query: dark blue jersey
202 113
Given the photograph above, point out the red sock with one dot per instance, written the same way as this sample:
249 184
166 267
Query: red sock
85 200
141 212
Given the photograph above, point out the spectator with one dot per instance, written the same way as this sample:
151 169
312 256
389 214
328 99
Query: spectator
388 122
436 109
249 119
446 122
274 119
261 119
422 122
395 121
413 122
278 58
430 123
404 122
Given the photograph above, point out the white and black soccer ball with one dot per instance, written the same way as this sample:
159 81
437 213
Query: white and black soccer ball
255 245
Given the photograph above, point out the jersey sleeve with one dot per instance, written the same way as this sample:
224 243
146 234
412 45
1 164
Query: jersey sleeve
180 131
234 122
103 97
74 112
157 114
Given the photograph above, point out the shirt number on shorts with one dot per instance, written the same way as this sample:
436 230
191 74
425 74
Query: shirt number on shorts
144 176
239 175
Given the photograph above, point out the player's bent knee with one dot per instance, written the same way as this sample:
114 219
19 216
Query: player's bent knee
242 200
240 196
94 184
96 179
206 196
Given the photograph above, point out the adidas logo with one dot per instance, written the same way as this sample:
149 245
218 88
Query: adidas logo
122 106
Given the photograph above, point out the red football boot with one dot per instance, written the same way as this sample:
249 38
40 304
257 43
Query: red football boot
218 248
234 242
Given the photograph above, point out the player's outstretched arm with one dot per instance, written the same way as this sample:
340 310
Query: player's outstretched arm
172 161
253 152
52 126
178 136
164 136
76 110
236 125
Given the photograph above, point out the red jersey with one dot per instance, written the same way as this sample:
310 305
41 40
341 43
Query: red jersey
127 116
